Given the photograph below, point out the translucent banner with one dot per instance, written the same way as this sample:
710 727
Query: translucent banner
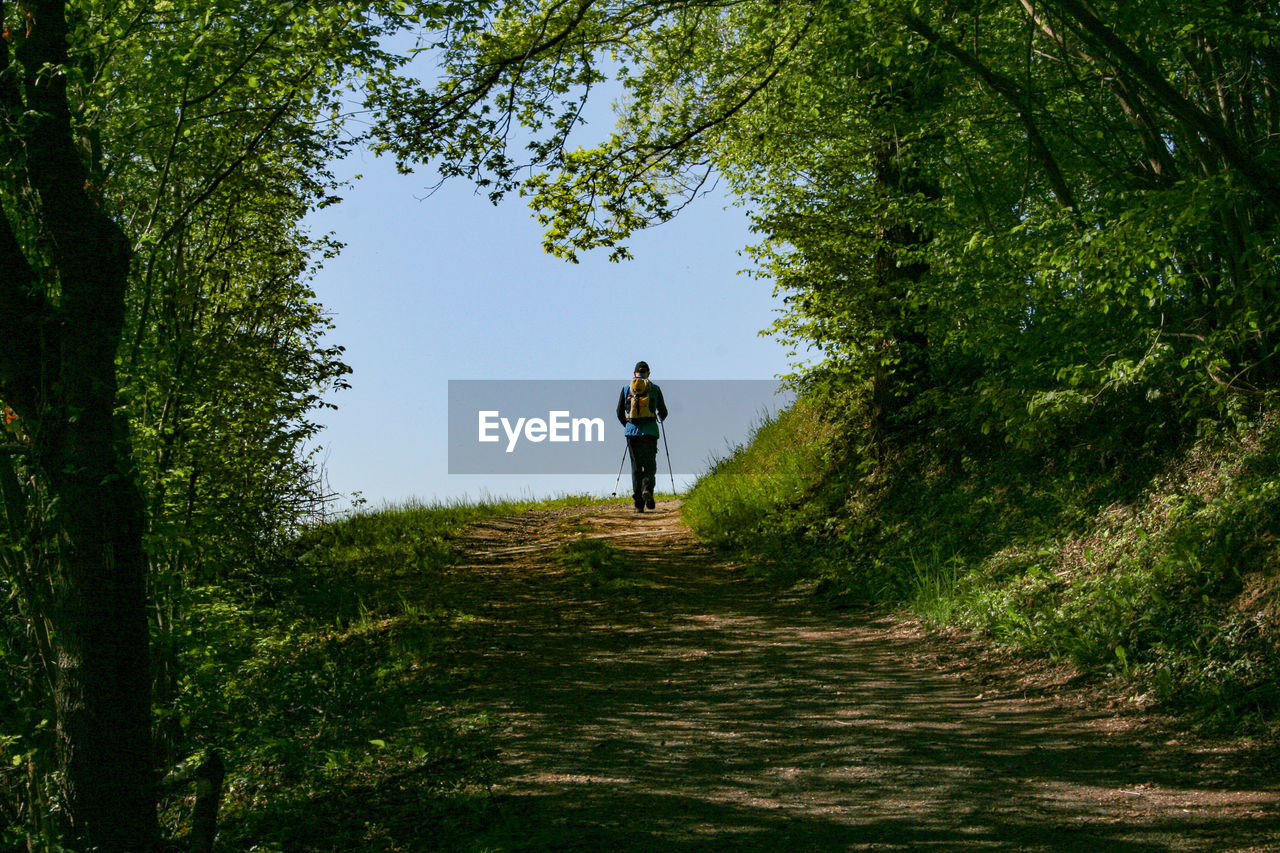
552 426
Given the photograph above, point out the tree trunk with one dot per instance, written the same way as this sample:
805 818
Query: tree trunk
100 640
62 317
102 692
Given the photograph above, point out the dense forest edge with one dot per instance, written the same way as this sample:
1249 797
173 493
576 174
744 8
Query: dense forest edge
1153 565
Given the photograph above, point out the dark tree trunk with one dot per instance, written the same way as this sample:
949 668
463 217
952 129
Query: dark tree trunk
903 369
62 322
204 814
100 635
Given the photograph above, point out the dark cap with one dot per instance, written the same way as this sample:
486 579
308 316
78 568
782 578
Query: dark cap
641 367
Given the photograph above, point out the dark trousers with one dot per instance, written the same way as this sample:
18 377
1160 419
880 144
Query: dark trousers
643 450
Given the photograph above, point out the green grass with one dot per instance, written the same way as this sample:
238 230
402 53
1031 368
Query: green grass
326 683
745 492
599 564
935 594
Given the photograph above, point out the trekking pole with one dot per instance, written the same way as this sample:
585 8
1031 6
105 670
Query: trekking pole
620 464
668 450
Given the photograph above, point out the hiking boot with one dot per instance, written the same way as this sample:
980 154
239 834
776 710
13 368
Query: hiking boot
648 500
639 506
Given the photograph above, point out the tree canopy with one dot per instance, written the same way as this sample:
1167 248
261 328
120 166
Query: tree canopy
1007 213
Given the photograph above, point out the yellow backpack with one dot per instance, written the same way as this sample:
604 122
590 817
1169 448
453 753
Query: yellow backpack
638 404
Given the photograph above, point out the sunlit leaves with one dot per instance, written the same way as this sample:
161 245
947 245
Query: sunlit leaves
1032 194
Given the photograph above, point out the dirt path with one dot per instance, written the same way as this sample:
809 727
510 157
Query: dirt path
687 707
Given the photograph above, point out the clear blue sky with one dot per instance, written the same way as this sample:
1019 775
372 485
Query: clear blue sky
449 286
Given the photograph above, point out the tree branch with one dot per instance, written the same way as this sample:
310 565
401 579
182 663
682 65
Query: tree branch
1017 97
1195 120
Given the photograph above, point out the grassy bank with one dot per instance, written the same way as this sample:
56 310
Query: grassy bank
324 687
1158 569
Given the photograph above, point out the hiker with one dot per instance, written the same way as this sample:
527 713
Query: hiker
640 409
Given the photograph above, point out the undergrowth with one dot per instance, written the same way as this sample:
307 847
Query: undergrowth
1152 561
324 684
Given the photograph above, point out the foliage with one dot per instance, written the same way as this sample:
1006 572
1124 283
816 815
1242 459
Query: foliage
992 213
790 454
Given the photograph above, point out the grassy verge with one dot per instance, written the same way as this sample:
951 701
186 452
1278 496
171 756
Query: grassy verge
787 458
1157 570
762 498
326 687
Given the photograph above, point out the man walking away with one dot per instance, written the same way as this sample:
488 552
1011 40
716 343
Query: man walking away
640 409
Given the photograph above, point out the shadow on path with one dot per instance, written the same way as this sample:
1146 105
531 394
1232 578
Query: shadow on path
692 708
